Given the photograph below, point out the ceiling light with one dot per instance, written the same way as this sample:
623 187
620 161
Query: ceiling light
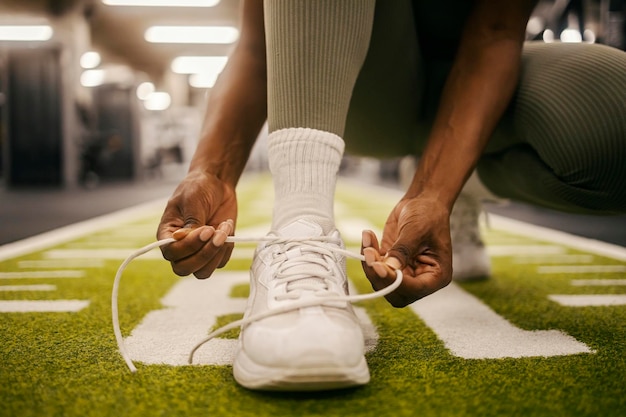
191 34
158 101
92 78
144 90
548 36
162 3
199 64
90 60
571 36
25 33
203 80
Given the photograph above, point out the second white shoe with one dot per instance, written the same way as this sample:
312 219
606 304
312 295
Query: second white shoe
470 260
311 348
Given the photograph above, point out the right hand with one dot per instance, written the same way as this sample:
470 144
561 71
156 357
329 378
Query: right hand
200 215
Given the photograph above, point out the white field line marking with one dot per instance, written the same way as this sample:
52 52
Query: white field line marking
64 234
580 269
351 229
503 240
61 263
597 282
572 241
42 274
42 287
191 309
107 244
589 300
97 254
43 306
553 259
517 250
242 252
471 330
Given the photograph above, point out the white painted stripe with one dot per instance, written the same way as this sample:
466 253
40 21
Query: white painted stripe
572 241
589 300
502 240
256 231
242 252
44 306
517 250
42 274
580 269
553 259
598 282
61 263
107 244
191 309
97 254
64 234
352 228
471 330
42 287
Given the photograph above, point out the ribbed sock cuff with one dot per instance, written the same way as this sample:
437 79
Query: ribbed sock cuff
304 164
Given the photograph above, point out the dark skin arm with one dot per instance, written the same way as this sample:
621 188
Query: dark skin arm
202 211
484 76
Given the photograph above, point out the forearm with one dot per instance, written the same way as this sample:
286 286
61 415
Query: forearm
478 90
237 107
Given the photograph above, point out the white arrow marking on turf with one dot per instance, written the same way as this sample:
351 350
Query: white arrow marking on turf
192 307
471 330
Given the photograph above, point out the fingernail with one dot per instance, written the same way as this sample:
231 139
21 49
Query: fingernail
207 233
226 226
370 256
380 269
366 239
393 262
181 233
219 238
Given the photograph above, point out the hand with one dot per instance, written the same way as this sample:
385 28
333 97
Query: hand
416 240
200 215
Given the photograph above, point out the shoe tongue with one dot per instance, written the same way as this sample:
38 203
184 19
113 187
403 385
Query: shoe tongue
301 228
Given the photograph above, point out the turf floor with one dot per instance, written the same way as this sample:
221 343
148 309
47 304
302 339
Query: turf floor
544 336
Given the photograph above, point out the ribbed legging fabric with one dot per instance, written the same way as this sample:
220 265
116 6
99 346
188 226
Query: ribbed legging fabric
315 50
567 148
561 144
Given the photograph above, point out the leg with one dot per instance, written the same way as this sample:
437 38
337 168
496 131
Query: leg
315 50
565 141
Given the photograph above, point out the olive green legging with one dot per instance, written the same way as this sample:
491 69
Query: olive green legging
354 68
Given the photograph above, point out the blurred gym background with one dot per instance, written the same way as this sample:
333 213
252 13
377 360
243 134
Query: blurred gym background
100 92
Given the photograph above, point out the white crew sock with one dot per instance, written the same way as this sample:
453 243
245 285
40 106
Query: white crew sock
304 164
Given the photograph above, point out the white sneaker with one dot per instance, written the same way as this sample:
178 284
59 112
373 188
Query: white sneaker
470 260
311 348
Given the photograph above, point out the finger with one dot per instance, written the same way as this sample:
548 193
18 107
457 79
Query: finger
384 271
216 253
192 240
371 256
201 264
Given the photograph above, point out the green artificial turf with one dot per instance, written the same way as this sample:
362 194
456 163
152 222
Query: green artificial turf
67 364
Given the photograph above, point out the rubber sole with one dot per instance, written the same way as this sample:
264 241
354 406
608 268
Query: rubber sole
259 377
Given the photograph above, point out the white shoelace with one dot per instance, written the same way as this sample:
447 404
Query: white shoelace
317 242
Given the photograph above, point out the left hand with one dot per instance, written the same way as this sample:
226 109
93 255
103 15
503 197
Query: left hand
416 240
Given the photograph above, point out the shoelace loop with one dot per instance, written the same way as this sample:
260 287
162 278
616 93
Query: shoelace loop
242 322
305 265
